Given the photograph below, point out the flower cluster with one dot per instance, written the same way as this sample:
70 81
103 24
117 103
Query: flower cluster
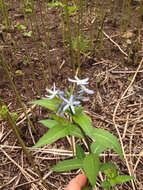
72 100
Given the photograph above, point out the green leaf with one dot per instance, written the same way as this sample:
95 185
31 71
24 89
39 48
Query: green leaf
111 173
109 169
85 123
66 165
4 112
75 131
91 167
97 148
50 104
105 184
120 179
48 123
55 133
28 10
80 154
105 138
106 166
59 119
27 34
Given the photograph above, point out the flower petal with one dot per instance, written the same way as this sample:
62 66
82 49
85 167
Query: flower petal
50 96
72 108
65 107
71 80
87 90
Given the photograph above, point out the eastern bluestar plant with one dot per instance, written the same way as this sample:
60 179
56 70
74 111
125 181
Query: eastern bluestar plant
69 100
69 103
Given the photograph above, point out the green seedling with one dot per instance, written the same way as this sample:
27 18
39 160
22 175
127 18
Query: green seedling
68 119
27 34
20 27
55 4
4 111
28 4
14 116
71 9
19 72
28 11
26 60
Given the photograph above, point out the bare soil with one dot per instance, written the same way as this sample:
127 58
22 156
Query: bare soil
117 103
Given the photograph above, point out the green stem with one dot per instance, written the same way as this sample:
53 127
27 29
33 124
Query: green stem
5 66
67 19
83 132
5 14
28 155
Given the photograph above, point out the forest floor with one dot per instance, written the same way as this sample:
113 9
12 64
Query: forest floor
116 106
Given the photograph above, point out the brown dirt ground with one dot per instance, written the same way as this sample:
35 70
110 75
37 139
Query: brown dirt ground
110 74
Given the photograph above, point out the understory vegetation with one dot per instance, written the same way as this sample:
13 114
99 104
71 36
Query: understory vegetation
46 44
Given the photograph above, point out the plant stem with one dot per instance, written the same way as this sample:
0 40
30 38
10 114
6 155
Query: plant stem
67 19
28 155
83 132
5 67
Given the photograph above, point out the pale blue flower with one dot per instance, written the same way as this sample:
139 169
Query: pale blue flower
84 89
53 92
78 81
70 103
82 84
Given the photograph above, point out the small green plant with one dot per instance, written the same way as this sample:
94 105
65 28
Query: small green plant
71 9
55 4
19 72
27 34
4 111
21 27
28 9
26 60
79 124
28 3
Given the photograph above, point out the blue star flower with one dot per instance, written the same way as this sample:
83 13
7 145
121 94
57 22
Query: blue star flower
82 84
84 89
53 92
78 81
69 103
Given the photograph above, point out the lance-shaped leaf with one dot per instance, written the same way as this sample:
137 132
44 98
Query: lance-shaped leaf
120 179
106 185
85 123
106 166
97 148
80 154
48 123
50 104
108 140
66 165
55 133
75 131
91 167
59 119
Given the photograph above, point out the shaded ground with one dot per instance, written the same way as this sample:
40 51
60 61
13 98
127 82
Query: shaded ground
111 74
